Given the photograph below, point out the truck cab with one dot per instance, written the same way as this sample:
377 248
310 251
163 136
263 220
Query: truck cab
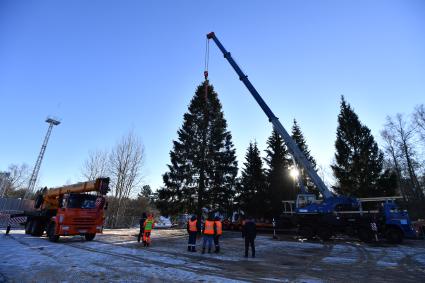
78 214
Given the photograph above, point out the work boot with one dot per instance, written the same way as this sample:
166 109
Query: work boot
144 243
203 250
193 249
209 250
189 248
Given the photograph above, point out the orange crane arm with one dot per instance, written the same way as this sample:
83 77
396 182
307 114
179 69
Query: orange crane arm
49 198
100 185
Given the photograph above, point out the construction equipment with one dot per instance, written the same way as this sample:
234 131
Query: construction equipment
319 218
69 210
52 122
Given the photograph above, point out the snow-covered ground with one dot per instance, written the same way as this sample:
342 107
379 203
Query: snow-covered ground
116 256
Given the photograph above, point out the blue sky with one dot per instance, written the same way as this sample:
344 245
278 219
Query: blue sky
108 67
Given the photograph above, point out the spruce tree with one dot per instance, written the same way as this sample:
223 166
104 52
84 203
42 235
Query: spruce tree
203 163
358 160
299 139
280 185
253 183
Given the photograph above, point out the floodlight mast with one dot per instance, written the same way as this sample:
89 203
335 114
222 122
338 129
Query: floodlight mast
52 122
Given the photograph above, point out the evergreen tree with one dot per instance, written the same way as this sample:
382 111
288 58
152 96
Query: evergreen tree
203 163
358 160
280 185
299 139
253 183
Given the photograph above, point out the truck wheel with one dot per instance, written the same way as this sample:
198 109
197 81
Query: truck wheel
324 233
28 227
365 235
306 231
89 237
34 226
37 228
394 236
51 232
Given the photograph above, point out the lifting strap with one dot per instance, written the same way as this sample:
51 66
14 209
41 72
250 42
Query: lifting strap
207 55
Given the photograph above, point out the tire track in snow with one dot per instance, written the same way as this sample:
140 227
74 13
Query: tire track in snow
173 267
142 259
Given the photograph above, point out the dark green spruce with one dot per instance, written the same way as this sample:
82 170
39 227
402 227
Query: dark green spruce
203 167
358 161
299 139
252 188
280 185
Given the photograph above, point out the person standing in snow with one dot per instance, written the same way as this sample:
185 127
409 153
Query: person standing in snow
218 233
148 226
192 230
208 232
249 232
142 223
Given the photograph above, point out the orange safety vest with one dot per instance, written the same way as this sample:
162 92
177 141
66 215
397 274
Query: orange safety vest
209 228
192 225
218 227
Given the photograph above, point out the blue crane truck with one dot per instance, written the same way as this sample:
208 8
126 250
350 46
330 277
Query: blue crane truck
333 213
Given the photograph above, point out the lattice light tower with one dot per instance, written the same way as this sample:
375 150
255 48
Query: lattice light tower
52 122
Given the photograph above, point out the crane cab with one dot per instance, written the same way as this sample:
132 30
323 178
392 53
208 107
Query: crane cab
304 200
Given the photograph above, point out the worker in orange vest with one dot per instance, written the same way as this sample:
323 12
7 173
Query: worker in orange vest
208 232
192 229
218 233
148 226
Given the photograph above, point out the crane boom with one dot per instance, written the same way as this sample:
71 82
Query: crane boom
98 185
290 143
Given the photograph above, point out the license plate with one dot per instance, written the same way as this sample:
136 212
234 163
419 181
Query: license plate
82 231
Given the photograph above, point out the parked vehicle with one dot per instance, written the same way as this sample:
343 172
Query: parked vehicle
69 210
163 222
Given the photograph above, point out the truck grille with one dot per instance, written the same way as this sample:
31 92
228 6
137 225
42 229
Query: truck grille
83 221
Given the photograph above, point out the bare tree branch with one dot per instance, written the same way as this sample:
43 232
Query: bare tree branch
126 160
18 179
400 143
96 165
419 120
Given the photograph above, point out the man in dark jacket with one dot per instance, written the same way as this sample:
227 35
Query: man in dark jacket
249 232
142 222
218 233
